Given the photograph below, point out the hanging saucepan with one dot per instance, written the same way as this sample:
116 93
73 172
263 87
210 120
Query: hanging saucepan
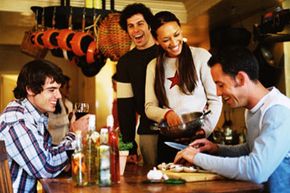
81 40
32 38
93 50
49 37
38 35
64 38
191 122
94 68
66 35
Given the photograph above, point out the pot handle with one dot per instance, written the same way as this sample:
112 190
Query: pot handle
205 113
155 127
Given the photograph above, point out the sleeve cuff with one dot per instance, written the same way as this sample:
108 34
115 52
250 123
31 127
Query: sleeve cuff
165 115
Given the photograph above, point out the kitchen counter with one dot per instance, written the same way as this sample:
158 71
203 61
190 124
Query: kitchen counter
134 180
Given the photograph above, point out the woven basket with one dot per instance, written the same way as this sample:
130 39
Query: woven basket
31 49
114 42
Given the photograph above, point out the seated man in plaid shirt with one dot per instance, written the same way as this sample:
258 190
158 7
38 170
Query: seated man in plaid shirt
23 127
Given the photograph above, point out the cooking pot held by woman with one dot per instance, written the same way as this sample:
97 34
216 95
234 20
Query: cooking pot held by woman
191 122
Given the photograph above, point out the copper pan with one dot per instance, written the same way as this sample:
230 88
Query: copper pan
49 37
81 40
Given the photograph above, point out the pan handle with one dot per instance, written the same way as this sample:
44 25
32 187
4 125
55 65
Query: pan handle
155 127
205 113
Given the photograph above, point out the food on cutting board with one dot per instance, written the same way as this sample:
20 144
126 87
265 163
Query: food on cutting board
156 175
177 168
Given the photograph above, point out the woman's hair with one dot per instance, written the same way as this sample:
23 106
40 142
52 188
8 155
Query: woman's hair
33 76
133 9
186 67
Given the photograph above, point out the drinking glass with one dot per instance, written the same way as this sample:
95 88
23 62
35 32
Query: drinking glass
81 109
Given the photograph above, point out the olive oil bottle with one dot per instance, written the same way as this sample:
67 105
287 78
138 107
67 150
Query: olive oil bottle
90 149
79 169
104 164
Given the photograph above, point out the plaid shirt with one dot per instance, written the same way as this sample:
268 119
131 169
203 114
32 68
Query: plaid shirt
28 143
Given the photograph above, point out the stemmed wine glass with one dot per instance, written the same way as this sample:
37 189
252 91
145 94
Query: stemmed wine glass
81 109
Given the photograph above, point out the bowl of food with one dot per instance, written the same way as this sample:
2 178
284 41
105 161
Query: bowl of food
191 122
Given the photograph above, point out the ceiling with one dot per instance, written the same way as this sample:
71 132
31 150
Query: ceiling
17 13
220 11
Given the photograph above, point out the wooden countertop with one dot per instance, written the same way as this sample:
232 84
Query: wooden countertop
134 181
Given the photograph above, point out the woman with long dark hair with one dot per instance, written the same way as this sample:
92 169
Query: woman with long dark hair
178 81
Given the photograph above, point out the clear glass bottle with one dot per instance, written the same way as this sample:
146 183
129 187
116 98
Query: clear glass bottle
104 165
79 170
90 149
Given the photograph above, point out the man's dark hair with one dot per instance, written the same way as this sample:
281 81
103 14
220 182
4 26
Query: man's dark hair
133 9
33 76
234 59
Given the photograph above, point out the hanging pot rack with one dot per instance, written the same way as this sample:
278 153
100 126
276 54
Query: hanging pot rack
63 11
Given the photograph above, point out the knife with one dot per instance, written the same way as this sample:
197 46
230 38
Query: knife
175 145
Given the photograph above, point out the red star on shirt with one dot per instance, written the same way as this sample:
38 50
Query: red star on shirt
174 80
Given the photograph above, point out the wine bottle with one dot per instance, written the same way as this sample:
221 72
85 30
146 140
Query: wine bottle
114 153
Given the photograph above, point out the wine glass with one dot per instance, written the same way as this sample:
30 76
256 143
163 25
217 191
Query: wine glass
81 109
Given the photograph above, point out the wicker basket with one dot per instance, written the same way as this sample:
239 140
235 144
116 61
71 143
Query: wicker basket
114 42
29 48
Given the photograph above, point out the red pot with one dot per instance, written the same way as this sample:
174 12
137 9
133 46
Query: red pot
92 52
64 38
80 43
49 38
38 39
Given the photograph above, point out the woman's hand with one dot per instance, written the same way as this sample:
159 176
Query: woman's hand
172 118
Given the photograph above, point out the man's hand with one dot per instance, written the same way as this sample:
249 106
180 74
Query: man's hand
82 124
205 145
199 145
186 155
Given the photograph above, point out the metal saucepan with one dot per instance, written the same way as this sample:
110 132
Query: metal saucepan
191 122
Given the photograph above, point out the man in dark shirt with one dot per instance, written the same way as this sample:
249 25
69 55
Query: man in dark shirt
136 20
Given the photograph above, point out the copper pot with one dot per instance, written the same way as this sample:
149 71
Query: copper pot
92 52
64 38
49 38
38 39
80 43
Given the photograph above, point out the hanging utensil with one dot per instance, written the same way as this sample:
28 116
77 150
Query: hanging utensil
81 40
65 35
49 37
93 49
38 35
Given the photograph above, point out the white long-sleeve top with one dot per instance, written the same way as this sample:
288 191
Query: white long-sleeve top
266 148
203 95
